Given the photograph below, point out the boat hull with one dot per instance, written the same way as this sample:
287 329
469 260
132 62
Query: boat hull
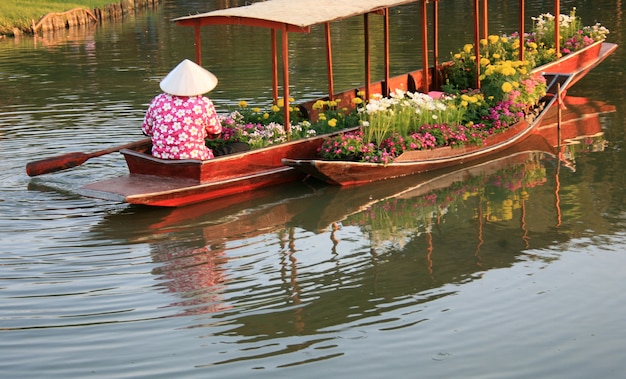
579 63
175 192
174 183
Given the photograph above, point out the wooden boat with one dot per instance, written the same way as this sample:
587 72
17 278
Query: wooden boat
565 71
579 121
158 182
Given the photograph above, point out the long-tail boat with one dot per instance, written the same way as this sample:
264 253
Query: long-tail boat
159 182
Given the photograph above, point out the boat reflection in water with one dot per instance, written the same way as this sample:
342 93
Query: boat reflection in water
249 264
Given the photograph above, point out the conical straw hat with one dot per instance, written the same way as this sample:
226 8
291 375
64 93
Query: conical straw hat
188 79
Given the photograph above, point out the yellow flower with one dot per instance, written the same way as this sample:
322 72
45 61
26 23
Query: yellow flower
322 117
484 61
504 39
493 39
507 87
266 116
357 100
243 104
332 103
496 56
457 56
256 110
275 108
532 45
468 48
464 103
483 42
318 105
332 122
281 102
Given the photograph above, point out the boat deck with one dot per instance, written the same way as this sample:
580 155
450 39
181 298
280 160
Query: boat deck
172 192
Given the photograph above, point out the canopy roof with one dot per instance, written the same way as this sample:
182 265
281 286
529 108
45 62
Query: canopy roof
295 15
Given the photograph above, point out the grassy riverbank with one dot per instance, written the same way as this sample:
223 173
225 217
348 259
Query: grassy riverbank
20 14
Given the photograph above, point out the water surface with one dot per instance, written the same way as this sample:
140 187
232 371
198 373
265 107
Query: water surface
510 269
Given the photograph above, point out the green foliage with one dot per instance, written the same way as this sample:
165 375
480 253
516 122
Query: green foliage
21 14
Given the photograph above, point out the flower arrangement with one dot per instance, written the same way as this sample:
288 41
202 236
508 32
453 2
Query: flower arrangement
263 127
573 35
414 121
331 118
539 47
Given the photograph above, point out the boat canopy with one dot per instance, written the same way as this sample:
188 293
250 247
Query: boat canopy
294 16
298 16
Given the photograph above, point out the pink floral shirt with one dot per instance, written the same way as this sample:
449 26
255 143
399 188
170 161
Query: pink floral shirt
179 125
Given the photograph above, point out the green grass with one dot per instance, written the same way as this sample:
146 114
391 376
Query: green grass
21 13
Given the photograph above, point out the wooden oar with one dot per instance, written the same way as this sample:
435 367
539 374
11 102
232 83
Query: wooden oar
69 160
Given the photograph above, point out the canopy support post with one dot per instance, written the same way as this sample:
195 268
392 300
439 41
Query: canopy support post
196 30
436 83
285 46
386 32
477 40
485 20
557 28
522 18
425 69
329 62
366 40
274 67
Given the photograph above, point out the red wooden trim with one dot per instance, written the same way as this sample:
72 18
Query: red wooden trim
223 20
329 62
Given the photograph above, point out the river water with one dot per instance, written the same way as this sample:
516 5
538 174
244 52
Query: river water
510 269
